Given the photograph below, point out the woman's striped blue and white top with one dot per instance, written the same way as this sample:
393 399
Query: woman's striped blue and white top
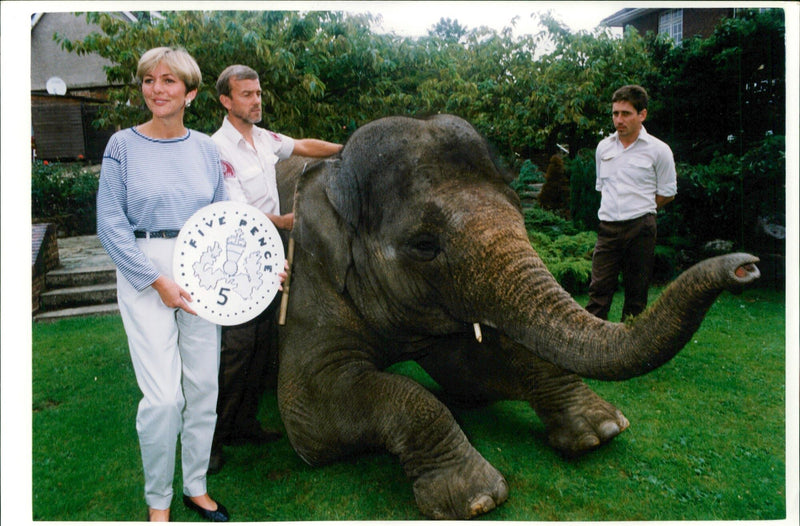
152 184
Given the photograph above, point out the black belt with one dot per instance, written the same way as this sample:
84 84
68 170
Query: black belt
162 234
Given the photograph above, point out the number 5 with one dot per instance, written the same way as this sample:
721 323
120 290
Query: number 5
222 292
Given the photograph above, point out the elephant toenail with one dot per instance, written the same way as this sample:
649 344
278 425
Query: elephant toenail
482 504
609 430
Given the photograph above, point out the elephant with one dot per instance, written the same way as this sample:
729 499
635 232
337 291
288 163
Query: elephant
408 242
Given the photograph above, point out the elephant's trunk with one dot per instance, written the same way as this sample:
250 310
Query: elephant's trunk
529 306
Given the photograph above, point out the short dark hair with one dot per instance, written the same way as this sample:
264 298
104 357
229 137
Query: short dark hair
634 94
237 71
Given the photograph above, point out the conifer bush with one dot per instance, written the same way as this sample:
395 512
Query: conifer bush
529 175
555 191
584 199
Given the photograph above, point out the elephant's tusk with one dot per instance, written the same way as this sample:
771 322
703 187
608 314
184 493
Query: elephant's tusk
478 335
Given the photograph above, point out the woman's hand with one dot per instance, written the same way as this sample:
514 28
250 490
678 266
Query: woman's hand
172 295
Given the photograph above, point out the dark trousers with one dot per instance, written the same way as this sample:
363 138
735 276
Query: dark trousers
247 358
627 247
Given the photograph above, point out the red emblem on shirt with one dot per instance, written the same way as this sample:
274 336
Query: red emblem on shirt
275 136
227 169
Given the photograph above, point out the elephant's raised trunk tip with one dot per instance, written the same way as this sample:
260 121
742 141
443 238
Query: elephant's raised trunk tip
746 270
738 270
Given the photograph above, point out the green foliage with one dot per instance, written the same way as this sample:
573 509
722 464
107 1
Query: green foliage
324 73
448 30
310 65
667 263
529 175
729 84
86 464
563 249
548 223
64 194
728 197
584 199
570 98
567 257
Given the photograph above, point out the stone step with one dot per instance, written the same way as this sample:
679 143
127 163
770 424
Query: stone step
75 312
80 277
78 296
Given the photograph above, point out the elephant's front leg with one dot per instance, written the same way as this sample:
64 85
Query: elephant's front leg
350 407
576 419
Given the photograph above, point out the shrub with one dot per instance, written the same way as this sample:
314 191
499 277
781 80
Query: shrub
548 223
529 175
728 197
567 257
563 248
64 194
584 199
555 191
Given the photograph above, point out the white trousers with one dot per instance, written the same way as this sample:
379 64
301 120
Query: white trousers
176 360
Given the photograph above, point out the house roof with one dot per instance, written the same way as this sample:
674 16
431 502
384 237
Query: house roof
48 59
622 17
35 17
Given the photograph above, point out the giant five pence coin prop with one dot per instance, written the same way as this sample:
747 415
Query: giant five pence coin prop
228 256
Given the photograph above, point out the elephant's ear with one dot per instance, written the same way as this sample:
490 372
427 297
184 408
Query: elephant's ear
319 229
341 187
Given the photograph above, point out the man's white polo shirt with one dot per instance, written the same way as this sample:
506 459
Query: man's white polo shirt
629 179
250 172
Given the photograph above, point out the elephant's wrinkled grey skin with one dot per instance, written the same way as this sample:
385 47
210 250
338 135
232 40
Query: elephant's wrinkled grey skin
403 241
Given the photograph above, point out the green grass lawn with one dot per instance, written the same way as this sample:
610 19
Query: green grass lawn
706 440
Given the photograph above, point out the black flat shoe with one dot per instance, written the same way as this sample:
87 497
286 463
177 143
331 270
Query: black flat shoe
218 515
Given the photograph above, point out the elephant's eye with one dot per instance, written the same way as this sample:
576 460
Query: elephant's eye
423 247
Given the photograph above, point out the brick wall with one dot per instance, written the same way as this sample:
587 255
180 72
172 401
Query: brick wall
695 21
44 258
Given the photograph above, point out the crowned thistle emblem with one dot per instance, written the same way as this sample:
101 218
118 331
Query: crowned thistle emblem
242 276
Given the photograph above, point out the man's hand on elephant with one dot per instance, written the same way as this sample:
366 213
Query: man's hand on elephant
282 222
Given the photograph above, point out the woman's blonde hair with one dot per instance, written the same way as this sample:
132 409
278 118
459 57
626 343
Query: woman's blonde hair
179 62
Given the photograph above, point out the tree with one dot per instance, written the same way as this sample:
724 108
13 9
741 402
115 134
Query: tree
725 92
324 73
448 30
310 65
574 83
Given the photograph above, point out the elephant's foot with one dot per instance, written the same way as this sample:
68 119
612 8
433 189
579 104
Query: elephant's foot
463 489
584 424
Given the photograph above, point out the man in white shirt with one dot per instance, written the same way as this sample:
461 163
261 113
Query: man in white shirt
248 154
636 178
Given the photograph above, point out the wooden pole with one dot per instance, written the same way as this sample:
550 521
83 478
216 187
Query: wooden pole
286 283
290 259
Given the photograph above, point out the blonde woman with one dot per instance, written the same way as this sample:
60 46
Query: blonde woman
154 176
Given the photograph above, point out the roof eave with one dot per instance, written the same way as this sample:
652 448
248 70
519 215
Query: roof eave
620 18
